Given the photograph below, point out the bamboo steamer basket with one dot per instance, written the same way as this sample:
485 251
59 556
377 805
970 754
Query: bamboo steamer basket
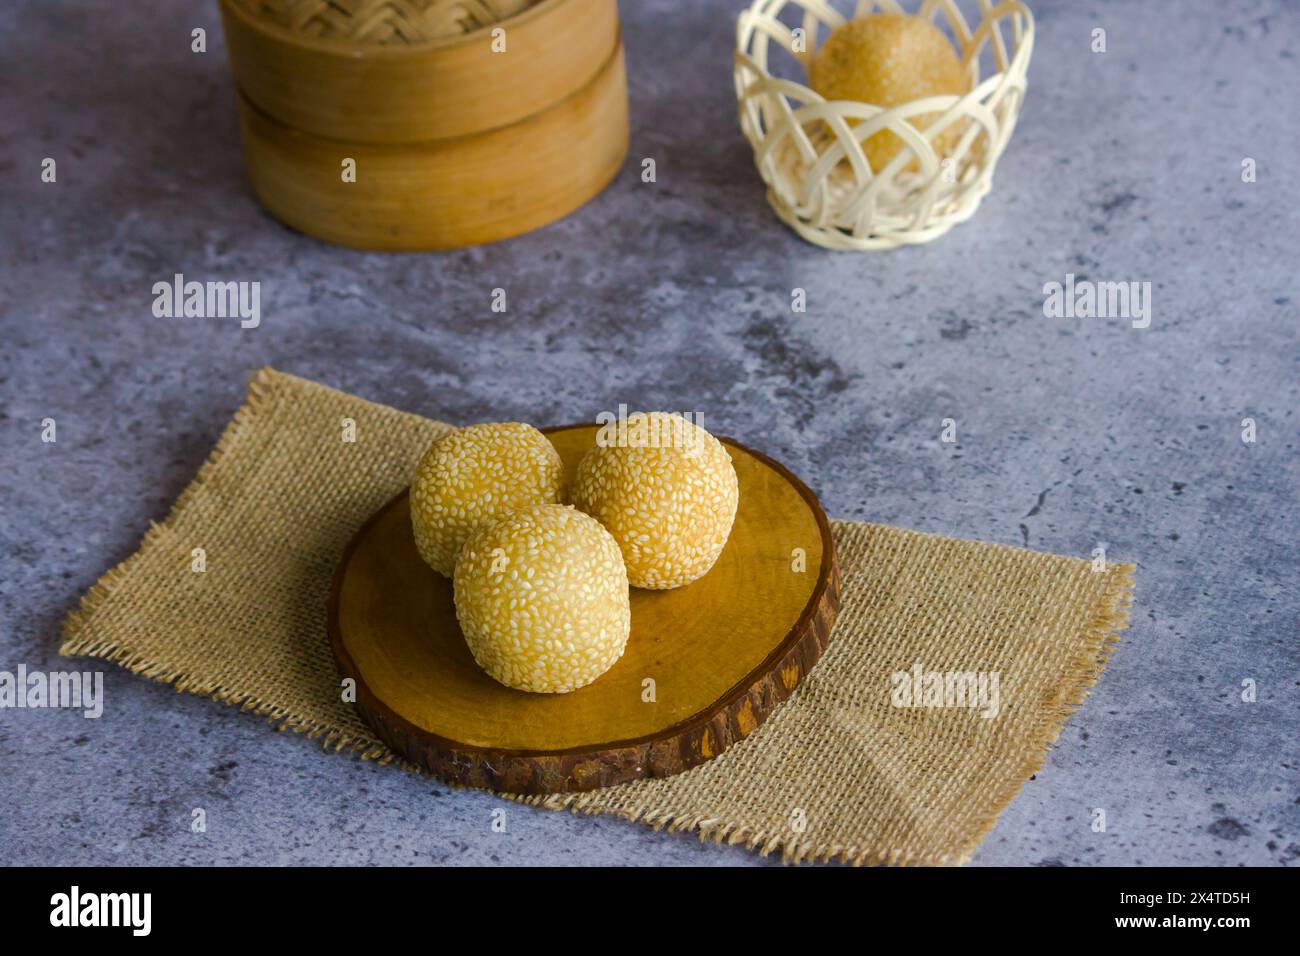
453 144
444 194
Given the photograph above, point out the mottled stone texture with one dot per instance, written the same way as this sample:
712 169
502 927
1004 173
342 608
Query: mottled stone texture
1072 432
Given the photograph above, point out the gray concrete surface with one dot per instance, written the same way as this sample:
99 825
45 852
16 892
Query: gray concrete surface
1126 166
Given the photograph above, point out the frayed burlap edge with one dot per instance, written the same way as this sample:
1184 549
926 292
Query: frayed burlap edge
77 644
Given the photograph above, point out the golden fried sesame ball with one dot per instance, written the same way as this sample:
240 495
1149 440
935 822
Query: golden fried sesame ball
474 473
542 598
667 492
889 60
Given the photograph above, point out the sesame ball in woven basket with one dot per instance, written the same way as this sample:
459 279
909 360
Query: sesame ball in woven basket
879 124
890 60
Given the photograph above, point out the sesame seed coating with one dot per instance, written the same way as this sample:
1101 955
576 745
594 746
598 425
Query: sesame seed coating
669 506
542 598
474 473
890 60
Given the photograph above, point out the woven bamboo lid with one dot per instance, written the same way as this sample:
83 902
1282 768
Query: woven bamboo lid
365 22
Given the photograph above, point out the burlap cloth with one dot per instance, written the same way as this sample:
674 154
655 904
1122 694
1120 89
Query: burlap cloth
838 772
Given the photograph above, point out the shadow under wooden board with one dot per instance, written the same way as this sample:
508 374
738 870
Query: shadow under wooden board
722 652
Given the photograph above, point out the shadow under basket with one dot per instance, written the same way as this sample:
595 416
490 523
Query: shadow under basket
427 144
809 150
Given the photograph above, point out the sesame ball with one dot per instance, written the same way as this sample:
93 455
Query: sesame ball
474 473
542 598
667 492
890 60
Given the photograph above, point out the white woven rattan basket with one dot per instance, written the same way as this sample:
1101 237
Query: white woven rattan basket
809 150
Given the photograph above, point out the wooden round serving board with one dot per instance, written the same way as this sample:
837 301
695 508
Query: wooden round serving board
722 652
